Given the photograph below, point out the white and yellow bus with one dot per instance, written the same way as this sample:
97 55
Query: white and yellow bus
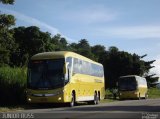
132 86
64 77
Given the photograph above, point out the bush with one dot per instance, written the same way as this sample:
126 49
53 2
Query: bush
154 93
108 94
12 85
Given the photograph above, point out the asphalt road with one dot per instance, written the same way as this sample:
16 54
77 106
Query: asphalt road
137 109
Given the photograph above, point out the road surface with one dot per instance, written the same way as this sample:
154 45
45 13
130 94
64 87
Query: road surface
137 109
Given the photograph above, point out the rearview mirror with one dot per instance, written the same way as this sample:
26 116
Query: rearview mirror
65 67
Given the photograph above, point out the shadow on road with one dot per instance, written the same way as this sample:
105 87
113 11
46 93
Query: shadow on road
34 106
84 107
41 106
119 108
89 108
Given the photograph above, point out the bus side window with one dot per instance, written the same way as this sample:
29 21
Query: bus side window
75 66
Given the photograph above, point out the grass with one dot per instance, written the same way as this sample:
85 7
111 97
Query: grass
108 94
9 109
153 93
107 100
12 85
108 97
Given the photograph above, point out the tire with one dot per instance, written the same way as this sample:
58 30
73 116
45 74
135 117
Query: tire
93 102
146 96
139 97
96 99
72 103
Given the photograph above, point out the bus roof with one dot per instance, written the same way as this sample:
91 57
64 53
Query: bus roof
60 54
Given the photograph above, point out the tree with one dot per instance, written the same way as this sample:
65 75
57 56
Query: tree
84 49
63 42
83 43
151 79
99 52
56 39
59 42
119 63
73 47
7 1
30 41
7 43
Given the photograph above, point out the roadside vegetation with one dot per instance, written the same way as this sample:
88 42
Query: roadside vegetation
9 109
12 85
154 93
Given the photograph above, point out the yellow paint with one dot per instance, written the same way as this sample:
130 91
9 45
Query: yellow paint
83 85
141 90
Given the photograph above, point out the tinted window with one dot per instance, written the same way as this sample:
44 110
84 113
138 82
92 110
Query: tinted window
46 74
127 83
84 67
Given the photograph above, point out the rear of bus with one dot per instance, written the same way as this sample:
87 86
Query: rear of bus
132 86
127 86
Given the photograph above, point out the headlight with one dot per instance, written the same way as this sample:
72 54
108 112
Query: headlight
29 100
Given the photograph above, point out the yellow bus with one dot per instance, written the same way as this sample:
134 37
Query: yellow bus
64 77
132 86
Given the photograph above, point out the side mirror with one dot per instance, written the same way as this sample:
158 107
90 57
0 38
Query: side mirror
65 67
68 74
73 73
116 83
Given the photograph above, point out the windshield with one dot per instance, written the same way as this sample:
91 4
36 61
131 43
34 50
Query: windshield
46 74
127 84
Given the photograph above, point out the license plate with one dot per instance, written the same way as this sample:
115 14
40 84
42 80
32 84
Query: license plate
43 99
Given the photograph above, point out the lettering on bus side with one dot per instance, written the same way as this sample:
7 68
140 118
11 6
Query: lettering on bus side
98 80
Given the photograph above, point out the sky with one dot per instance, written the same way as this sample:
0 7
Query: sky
130 25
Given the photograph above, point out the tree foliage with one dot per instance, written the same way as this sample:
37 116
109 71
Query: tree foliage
119 63
7 44
31 40
7 1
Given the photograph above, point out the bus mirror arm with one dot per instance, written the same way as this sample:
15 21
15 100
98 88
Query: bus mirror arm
117 84
68 74
64 67
74 73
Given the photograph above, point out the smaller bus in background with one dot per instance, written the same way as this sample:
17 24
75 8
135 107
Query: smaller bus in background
132 86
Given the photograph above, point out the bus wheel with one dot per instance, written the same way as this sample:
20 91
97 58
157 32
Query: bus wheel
96 99
72 103
146 96
139 97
